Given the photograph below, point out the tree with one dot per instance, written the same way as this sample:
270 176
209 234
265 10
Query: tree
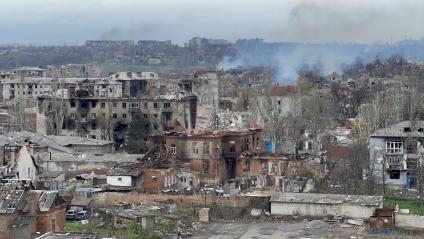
55 113
138 131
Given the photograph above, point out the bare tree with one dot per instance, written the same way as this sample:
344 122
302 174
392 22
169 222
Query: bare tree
55 113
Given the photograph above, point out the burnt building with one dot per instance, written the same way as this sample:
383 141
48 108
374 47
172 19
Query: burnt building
109 118
214 155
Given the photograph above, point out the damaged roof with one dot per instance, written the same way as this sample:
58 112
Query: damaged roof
314 198
73 140
12 201
46 200
402 129
158 157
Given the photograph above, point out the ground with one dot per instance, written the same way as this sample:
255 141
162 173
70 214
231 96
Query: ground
282 230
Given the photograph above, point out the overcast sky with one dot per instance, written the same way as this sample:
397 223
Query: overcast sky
72 21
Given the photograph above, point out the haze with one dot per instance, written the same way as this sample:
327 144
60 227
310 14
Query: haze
74 21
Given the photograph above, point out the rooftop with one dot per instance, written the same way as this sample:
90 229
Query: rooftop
402 129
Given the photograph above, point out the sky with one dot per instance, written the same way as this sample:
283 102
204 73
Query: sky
312 21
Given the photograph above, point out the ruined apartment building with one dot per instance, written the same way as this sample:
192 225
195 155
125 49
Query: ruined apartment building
395 152
136 84
204 84
213 155
109 118
32 87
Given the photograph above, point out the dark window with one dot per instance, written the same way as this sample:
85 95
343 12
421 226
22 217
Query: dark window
145 116
53 225
155 105
145 105
103 105
73 104
93 104
124 105
166 105
394 174
420 130
114 116
155 115
124 116
407 129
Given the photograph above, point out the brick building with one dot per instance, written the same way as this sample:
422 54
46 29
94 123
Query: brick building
214 155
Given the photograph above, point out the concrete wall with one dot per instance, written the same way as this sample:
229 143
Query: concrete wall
25 165
105 199
409 221
375 154
75 166
321 210
125 181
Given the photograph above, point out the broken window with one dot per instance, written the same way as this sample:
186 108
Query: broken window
394 147
173 149
206 148
232 146
194 148
53 225
394 174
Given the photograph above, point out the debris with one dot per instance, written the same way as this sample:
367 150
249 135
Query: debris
256 212
357 222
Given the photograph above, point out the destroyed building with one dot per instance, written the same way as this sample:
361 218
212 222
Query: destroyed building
24 212
395 152
108 119
32 87
212 154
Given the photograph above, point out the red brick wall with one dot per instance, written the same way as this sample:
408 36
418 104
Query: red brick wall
154 180
6 221
44 220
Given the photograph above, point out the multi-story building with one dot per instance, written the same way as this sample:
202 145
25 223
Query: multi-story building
395 153
214 155
66 87
108 118
137 83
74 70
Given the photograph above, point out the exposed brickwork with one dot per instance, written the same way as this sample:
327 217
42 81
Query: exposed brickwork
45 220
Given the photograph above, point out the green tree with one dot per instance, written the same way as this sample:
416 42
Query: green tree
138 131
